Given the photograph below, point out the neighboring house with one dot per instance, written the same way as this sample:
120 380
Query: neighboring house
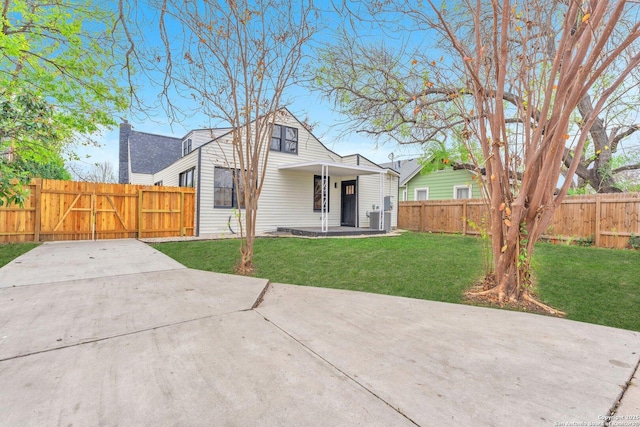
439 185
292 191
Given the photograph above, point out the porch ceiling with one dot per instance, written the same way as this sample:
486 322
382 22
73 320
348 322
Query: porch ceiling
335 169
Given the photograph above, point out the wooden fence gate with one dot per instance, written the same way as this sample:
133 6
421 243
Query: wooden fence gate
67 210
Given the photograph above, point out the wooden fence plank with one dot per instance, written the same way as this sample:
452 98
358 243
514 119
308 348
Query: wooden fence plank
606 219
67 210
597 232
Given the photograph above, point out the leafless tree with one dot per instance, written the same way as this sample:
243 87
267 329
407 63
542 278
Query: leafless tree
412 96
235 58
506 80
101 172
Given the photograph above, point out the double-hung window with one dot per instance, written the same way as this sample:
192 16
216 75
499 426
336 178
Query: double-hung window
186 147
185 179
284 139
224 188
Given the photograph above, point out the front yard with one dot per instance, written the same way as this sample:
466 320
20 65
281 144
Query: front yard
592 285
600 286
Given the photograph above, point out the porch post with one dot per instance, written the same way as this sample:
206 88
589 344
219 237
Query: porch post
323 198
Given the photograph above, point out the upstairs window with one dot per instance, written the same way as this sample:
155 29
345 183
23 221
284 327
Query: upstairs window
186 147
224 189
284 139
185 179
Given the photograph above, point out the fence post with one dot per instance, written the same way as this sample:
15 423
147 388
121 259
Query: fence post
464 217
596 236
38 207
182 213
140 213
94 214
423 215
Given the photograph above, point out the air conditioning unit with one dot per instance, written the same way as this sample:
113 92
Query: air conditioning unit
374 221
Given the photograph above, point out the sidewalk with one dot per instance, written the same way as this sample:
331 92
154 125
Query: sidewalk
114 332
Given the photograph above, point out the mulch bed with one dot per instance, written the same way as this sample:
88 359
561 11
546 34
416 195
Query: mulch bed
473 297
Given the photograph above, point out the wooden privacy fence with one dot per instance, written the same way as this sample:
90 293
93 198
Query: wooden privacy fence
604 220
68 210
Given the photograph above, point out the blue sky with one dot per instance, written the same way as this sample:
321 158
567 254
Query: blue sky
300 101
303 104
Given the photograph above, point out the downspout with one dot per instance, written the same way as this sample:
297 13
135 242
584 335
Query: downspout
358 200
381 201
357 193
199 187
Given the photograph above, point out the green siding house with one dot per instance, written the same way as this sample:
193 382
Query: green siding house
439 185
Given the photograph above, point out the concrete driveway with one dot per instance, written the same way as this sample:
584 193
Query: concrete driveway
116 333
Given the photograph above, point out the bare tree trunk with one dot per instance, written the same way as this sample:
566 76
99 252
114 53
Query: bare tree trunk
245 265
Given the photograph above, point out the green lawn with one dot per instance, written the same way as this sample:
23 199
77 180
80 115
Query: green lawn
436 268
10 251
591 285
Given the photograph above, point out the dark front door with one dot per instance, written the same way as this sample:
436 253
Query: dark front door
349 203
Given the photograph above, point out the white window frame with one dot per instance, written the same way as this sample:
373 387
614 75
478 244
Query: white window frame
455 191
404 195
415 193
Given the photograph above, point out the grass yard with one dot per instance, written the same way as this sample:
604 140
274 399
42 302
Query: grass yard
10 251
436 268
592 285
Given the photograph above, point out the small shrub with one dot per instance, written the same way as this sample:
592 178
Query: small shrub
585 241
634 242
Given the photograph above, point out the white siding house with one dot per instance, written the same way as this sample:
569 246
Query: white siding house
291 193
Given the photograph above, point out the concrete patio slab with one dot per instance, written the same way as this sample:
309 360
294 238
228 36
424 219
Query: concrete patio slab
231 370
64 261
454 365
137 339
629 409
38 318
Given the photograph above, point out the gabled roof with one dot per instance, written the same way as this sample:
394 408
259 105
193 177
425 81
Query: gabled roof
147 153
220 132
214 133
407 168
150 153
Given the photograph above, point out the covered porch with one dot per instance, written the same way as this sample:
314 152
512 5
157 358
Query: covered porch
350 199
